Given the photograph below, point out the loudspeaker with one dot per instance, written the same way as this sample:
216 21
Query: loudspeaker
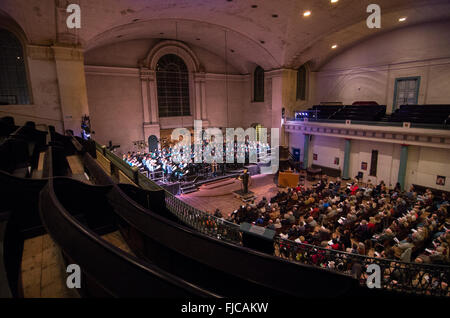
152 143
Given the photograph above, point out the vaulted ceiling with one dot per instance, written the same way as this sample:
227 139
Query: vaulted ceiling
270 33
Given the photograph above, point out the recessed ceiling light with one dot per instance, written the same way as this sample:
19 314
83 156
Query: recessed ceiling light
232 51
135 20
119 36
262 42
402 19
161 33
334 1
254 6
334 46
274 15
307 13
198 39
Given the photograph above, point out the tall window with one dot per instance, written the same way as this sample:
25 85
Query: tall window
172 79
301 83
406 91
258 85
13 77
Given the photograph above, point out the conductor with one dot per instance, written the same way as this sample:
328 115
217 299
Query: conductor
245 177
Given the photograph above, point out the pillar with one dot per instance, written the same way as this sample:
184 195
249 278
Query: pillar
153 98
145 95
402 167
200 109
306 151
72 86
149 103
345 172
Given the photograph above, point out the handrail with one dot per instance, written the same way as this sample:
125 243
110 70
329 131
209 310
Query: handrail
142 279
371 123
191 248
197 219
414 275
424 279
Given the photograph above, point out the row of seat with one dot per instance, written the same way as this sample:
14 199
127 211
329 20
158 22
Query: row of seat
426 114
77 214
20 148
343 112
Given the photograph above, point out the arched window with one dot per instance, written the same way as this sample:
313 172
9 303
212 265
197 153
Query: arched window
258 85
13 77
172 79
301 83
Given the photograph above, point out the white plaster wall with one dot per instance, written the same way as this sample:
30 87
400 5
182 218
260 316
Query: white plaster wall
115 101
425 164
388 161
129 53
45 108
327 149
297 141
257 112
120 54
368 70
220 112
116 113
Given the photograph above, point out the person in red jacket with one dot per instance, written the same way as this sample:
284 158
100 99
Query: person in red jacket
354 188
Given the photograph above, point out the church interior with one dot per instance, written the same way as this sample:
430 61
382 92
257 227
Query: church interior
224 148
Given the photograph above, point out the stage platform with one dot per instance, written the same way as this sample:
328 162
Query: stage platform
219 186
262 185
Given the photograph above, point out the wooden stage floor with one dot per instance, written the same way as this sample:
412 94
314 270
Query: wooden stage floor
262 186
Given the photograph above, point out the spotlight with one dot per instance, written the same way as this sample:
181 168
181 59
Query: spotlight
334 1
334 46
402 19
307 13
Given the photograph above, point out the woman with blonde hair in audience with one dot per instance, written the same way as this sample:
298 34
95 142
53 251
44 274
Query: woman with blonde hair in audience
361 249
277 224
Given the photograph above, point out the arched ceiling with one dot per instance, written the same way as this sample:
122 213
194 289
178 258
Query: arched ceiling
254 35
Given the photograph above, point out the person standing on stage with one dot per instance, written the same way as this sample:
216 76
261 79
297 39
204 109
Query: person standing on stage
245 179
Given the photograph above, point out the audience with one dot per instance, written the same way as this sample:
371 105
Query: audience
369 221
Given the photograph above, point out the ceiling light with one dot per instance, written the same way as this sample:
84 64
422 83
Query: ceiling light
274 15
307 13
334 1
334 46
262 42
254 6
402 19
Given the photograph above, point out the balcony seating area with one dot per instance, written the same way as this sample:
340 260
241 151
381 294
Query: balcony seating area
161 232
426 114
359 111
370 111
323 111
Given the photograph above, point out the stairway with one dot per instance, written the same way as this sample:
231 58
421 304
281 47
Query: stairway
188 187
